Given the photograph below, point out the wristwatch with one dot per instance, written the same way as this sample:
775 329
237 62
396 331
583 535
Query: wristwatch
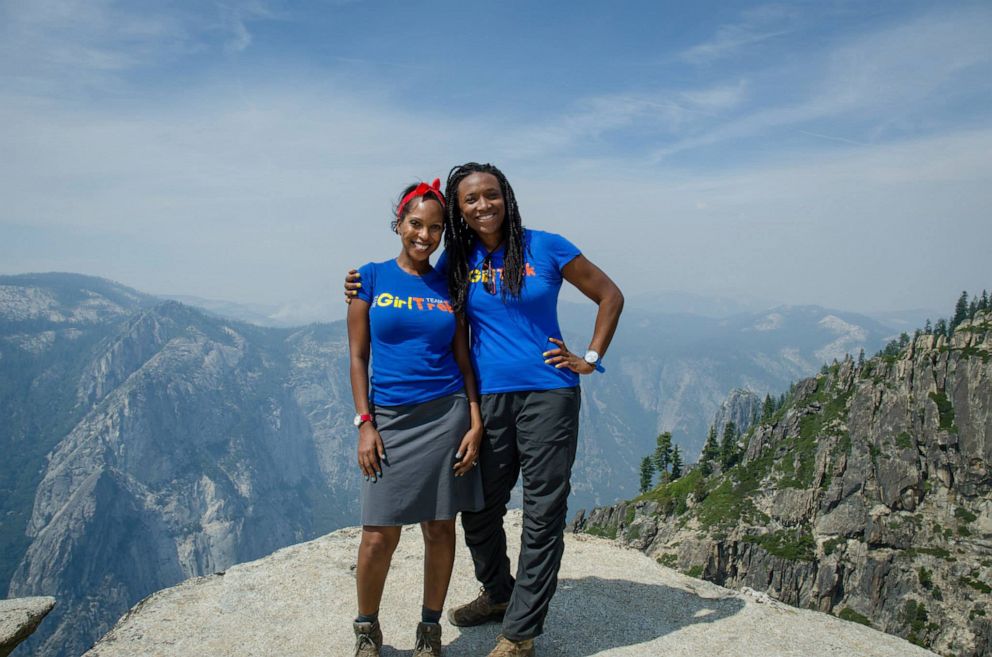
362 417
592 357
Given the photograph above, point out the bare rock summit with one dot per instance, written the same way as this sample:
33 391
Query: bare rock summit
611 601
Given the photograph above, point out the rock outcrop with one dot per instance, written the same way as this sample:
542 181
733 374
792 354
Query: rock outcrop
742 407
867 495
610 602
18 619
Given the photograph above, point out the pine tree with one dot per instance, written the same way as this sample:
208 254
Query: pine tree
927 328
960 311
861 357
983 304
940 328
728 447
676 463
767 408
710 453
973 307
711 450
663 453
647 473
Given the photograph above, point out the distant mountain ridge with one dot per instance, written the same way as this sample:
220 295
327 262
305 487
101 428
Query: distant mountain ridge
670 372
150 441
90 298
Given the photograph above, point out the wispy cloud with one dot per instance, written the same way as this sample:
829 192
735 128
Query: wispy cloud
842 140
756 26
596 117
885 83
54 35
874 81
59 46
234 19
715 99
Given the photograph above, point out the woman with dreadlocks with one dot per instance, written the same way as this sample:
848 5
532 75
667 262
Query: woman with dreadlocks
506 279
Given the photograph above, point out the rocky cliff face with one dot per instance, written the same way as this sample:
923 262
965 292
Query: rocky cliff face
742 407
51 327
197 443
867 496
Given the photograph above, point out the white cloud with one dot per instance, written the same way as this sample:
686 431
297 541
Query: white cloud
715 99
876 78
597 117
45 37
757 25
62 47
235 19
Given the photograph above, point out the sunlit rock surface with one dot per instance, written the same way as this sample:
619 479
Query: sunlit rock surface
610 601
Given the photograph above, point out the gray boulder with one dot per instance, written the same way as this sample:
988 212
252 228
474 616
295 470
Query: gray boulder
18 619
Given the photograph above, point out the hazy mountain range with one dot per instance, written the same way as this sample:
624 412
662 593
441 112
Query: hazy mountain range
148 441
332 308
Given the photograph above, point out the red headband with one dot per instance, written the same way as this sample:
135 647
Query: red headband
420 190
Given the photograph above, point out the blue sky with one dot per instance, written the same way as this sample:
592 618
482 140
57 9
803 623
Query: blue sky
833 153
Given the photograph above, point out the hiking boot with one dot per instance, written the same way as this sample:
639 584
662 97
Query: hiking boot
428 640
368 639
507 648
479 611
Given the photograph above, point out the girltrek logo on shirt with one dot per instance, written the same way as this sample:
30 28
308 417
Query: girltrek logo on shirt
387 300
482 275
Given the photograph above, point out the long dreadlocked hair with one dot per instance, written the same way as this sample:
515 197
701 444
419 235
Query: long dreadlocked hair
458 237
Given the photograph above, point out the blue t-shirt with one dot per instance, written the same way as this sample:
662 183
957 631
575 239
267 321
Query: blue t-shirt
509 338
412 327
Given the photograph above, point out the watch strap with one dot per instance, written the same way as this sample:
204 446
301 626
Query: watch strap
594 359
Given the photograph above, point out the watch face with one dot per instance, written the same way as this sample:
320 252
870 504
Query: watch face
591 357
358 420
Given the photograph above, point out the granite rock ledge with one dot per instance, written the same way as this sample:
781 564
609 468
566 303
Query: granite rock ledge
611 601
19 617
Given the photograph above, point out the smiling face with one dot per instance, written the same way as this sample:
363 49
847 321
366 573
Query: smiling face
481 203
420 228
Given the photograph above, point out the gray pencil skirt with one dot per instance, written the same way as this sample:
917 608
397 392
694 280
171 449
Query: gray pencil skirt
417 481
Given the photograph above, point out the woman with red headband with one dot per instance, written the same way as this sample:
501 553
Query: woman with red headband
419 422
506 279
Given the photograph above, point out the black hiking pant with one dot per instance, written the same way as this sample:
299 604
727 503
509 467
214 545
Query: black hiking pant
533 433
